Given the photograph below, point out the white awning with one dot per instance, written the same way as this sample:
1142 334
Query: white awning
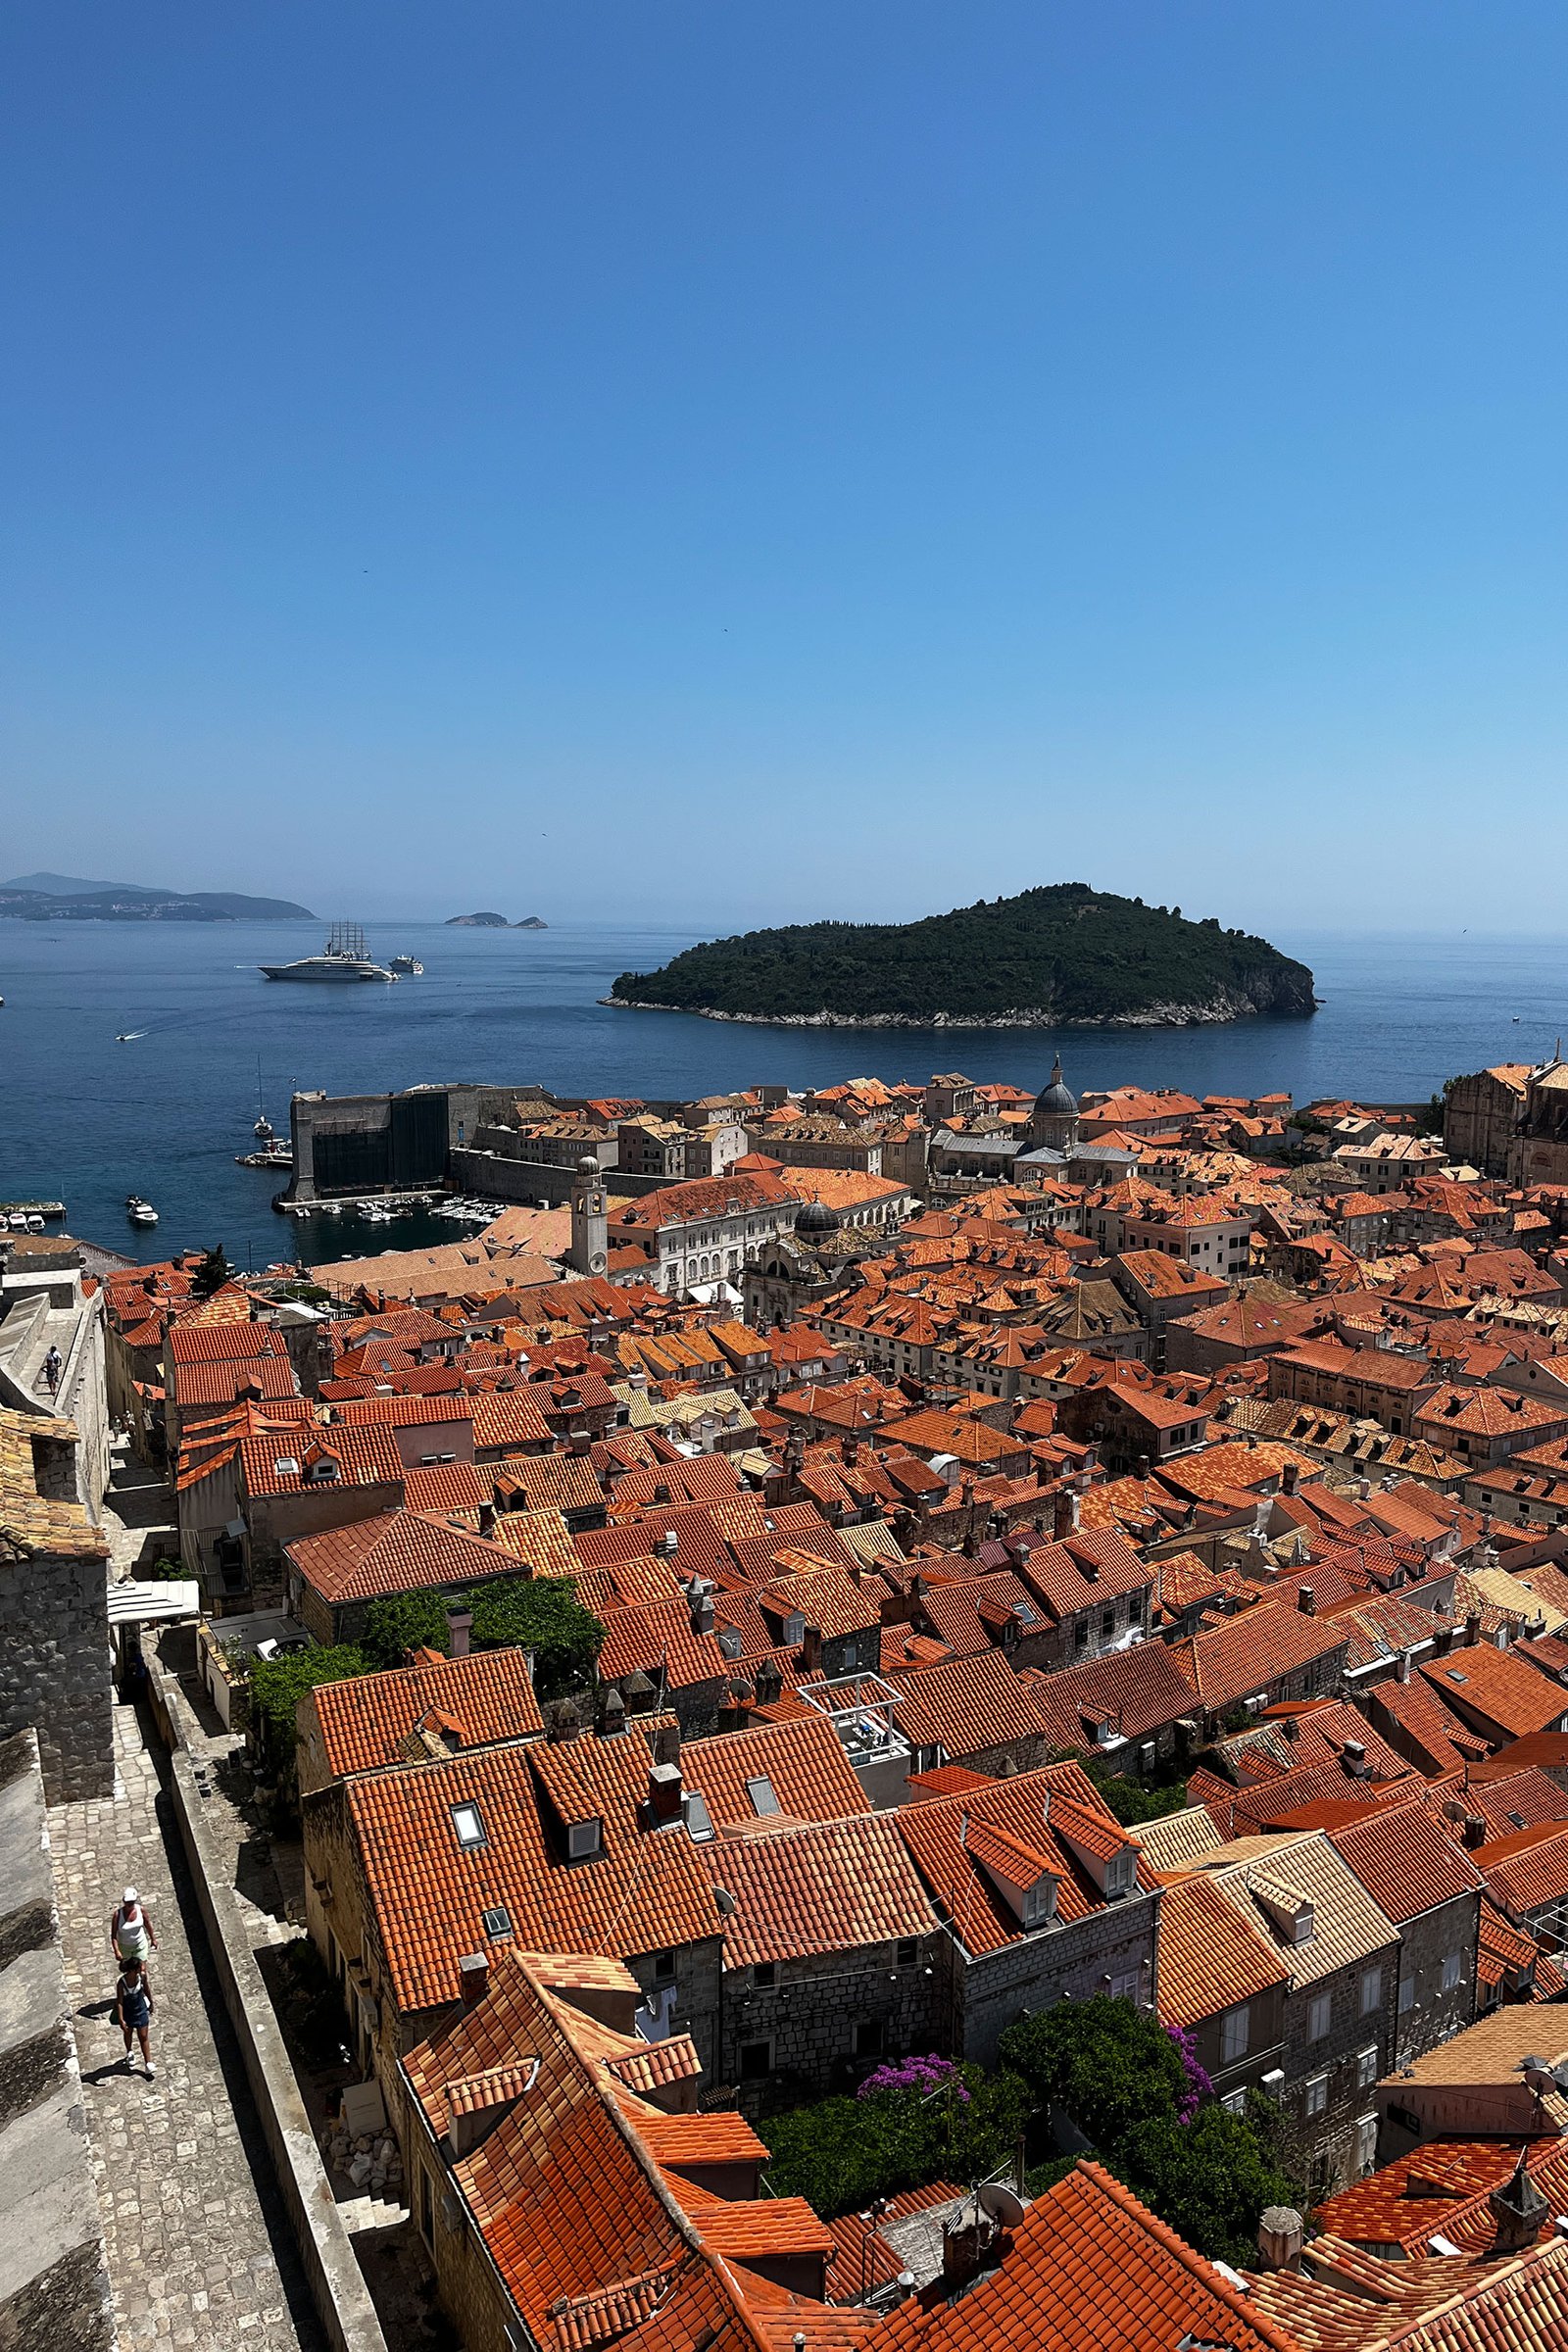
133 1603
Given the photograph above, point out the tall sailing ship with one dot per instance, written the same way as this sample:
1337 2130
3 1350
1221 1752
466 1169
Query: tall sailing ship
342 958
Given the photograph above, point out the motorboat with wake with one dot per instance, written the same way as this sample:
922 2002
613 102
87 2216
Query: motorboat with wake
343 958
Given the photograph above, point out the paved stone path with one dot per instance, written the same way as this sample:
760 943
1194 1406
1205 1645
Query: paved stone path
138 1513
199 2245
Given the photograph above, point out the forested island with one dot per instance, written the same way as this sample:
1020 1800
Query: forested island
1062 952
61 898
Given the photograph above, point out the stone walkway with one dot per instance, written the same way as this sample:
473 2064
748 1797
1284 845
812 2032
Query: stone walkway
199 2245
138 1513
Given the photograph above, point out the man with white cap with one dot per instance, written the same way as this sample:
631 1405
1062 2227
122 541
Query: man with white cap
131 1930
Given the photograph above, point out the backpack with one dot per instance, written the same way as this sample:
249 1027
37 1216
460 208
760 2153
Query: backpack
130 1934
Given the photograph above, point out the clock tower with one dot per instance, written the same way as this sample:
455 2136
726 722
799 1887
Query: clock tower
590 1219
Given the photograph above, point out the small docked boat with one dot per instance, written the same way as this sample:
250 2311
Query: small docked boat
407 967
140 1211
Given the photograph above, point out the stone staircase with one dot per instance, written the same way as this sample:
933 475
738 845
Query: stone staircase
363 2213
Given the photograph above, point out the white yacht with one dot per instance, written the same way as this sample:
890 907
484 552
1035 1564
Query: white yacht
342 958
140 1211
407 967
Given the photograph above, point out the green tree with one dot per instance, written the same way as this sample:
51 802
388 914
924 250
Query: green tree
1209 2179
1153 2120
1133 1801
1104 2062
839 2153
277 1685
538 1613
212 1273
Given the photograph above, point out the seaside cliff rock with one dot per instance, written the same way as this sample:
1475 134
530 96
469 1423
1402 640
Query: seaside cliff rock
1060 953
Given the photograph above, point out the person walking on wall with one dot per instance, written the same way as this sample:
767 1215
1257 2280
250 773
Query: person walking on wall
133 2006
51 1370
131 1928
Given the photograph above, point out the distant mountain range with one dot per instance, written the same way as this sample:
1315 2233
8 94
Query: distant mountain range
66 898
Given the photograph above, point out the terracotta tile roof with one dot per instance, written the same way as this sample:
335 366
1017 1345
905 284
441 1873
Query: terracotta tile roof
838 1885
29 1521
192 1342
826 1596
1405 1863
699 2140
965 1705
1176 1838
1135 1691
392 1553
647 1892
754 2230
1500 1687
938 1835
360 1457
658 2063
1442 2190
1083 1571
1247 1652
486 1698
588 2235
1439 1741
1212 1955
539 1538
1527 1871
1269 1878
657 1638
1525 2304
1089 2269
703 1198
509 1421
803 1763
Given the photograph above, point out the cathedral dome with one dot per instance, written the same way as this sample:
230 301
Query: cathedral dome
815 1216
1056 1097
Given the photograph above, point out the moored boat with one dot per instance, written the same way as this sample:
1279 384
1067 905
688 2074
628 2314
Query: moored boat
343 958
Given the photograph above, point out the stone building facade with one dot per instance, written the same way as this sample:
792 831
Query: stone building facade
53 1610
1112 1951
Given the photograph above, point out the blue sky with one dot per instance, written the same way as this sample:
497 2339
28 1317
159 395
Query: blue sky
805 456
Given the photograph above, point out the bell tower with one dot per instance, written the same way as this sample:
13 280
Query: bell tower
590 1219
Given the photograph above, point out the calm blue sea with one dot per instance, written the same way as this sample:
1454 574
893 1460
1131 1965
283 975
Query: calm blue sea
87 1121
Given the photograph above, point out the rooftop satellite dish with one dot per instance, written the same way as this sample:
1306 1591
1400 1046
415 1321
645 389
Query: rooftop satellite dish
1001 2203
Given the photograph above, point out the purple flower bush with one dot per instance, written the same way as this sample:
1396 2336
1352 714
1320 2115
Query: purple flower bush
1198 2085
920 2075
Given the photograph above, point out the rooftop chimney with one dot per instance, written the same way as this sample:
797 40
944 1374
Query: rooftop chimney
459 1625
1307 1602
473 1979
1290 1479
1472 1628
664 1794
488 1518
1475 1829
1280 2233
